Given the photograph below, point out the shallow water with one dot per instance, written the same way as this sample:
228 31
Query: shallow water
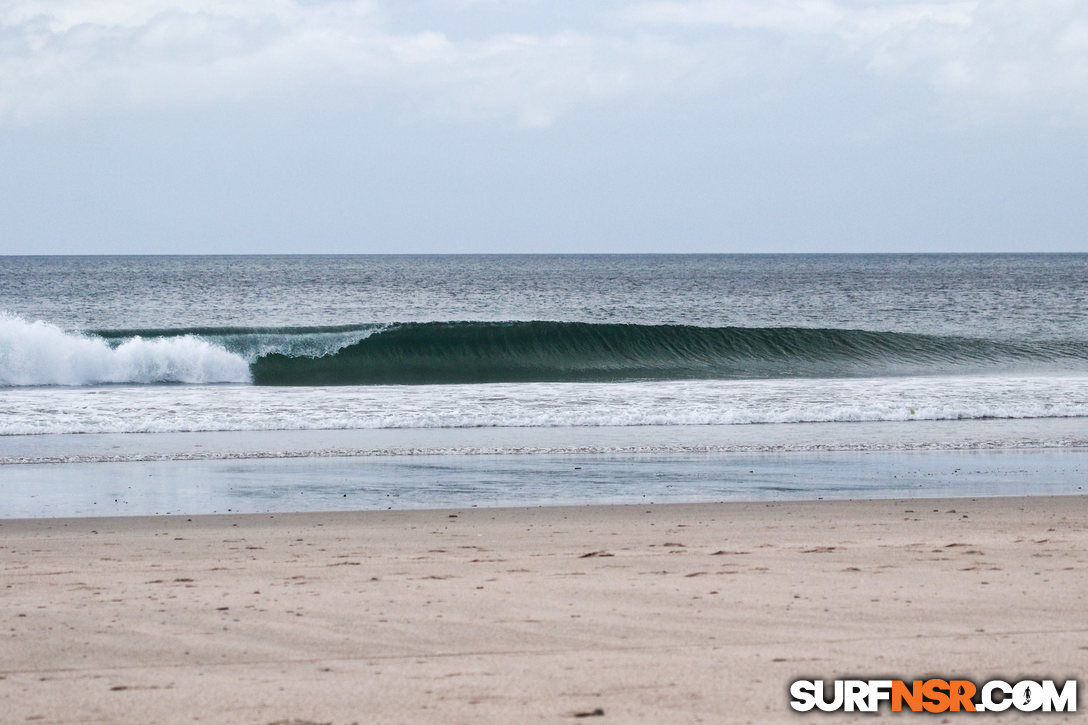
442 481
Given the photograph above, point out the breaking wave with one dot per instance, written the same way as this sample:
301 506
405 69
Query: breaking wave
38 353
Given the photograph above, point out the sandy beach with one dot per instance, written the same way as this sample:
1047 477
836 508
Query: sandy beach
667 613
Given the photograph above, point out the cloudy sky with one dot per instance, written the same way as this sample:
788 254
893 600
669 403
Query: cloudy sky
564 126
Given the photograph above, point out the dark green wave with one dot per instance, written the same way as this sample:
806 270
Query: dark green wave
480 352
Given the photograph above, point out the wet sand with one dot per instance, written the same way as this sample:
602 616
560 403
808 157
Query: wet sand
669 613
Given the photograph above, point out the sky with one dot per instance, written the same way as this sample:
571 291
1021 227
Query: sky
479 126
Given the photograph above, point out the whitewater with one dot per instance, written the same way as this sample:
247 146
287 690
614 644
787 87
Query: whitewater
151 409
39 353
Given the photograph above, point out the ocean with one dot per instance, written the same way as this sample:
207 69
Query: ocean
378 381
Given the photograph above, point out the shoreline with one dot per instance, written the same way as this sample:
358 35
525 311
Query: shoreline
650 613
282 485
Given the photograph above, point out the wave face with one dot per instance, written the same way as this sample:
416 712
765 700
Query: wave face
490 352
37 353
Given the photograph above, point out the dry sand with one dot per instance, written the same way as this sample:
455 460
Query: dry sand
656 614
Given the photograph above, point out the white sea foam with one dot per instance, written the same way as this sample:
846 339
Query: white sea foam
157 409
38 353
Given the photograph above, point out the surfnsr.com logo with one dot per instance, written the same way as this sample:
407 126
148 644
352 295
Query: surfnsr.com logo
933 695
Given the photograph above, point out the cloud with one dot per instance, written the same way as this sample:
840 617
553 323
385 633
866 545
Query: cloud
803 16
65 57
61 56
1027 54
